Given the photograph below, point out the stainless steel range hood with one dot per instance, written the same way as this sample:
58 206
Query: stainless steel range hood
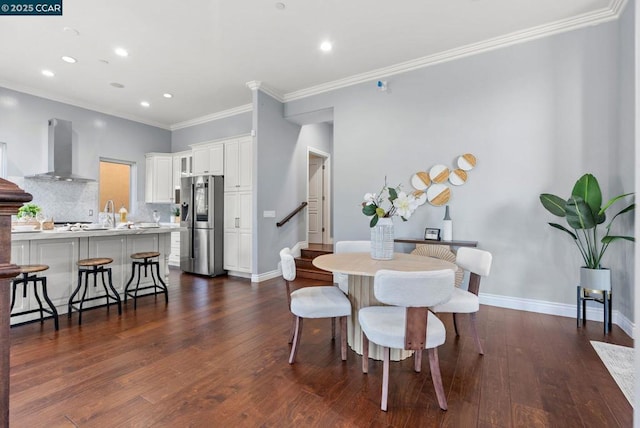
60 154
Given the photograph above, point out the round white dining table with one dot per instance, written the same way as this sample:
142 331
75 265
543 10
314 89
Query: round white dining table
361 269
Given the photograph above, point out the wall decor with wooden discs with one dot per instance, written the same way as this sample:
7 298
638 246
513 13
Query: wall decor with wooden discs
430 185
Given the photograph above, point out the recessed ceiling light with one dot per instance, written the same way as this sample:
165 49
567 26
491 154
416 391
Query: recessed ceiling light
48 73
69 59
326 46
280 6
117 85
121 52
145 104
167 95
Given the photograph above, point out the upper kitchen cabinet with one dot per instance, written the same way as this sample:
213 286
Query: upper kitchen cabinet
208 159
181 167
158 178
238 164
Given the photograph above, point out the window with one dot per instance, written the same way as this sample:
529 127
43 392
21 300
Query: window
115 184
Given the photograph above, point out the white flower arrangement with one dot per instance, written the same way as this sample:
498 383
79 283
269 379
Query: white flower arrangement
388 203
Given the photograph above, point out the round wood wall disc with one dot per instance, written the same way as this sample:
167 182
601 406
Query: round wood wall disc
467 162
421 197
438 194
420 180
439 173
458 177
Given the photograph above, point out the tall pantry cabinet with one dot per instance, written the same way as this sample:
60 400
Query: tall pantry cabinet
238 204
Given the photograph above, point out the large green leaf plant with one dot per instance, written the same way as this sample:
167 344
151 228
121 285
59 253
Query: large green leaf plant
584 213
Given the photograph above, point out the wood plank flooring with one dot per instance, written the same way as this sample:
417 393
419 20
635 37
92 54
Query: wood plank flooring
217 356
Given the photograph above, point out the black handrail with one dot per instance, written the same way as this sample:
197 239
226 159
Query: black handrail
294 212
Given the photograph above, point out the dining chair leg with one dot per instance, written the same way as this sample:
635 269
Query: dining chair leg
417 360
434 365
455 324
385 378
474 332
296 340
343 338
333 328
365 353
293 328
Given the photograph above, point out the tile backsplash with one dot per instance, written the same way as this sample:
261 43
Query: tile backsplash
72 201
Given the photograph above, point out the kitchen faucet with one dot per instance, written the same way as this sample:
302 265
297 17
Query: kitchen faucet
111 220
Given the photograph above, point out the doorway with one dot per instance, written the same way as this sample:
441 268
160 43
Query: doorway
318 197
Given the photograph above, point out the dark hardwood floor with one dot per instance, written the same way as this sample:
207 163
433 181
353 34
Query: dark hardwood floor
217 356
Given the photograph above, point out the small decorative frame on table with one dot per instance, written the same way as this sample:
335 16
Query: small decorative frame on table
432 234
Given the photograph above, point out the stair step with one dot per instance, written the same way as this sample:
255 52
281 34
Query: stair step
303 263
307 253
320 275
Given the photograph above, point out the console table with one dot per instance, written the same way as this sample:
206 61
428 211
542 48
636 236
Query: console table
419 241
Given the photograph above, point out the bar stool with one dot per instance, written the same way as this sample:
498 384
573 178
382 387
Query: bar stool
93 267
25 270
148 262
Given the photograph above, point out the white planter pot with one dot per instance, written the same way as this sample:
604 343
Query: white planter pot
595 279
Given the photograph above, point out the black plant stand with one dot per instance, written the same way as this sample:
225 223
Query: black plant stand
585 294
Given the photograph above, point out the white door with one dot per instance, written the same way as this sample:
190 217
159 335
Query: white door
316 197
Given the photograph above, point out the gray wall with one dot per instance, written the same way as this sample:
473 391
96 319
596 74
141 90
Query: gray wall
277 182
537 115
622 168
23 126
214 130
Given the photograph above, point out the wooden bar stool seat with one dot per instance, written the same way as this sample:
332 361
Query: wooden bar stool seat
148 261
93 267
27 273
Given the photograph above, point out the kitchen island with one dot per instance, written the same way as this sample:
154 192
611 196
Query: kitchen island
60 250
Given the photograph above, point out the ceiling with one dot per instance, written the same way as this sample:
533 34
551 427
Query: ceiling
204 52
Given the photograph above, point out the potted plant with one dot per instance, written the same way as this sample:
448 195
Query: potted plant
584 213
28 211
176 214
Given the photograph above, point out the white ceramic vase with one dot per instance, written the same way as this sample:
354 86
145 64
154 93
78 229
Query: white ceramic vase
382 239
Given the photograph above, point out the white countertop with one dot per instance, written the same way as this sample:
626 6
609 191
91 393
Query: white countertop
55 234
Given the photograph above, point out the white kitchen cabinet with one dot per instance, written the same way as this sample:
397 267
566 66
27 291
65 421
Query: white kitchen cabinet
20 256
61 255
238 217
114 247
238 164
174 256
159 178
208 159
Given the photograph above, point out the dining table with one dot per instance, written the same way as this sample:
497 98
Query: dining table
361 269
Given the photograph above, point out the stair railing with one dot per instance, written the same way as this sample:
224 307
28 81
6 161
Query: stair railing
290 216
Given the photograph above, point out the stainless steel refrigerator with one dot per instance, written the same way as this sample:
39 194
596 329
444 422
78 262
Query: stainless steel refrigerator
202 214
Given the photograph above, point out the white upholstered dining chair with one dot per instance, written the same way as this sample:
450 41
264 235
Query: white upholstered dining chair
314 302
342 279
478 263
408 323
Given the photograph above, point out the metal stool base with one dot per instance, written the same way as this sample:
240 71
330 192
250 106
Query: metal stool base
25 280
110 291
158 288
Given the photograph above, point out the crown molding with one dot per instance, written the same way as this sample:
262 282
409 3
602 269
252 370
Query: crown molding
214 116
257 85
580 21
75 103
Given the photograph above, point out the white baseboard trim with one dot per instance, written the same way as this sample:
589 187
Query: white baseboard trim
594 313
267 275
